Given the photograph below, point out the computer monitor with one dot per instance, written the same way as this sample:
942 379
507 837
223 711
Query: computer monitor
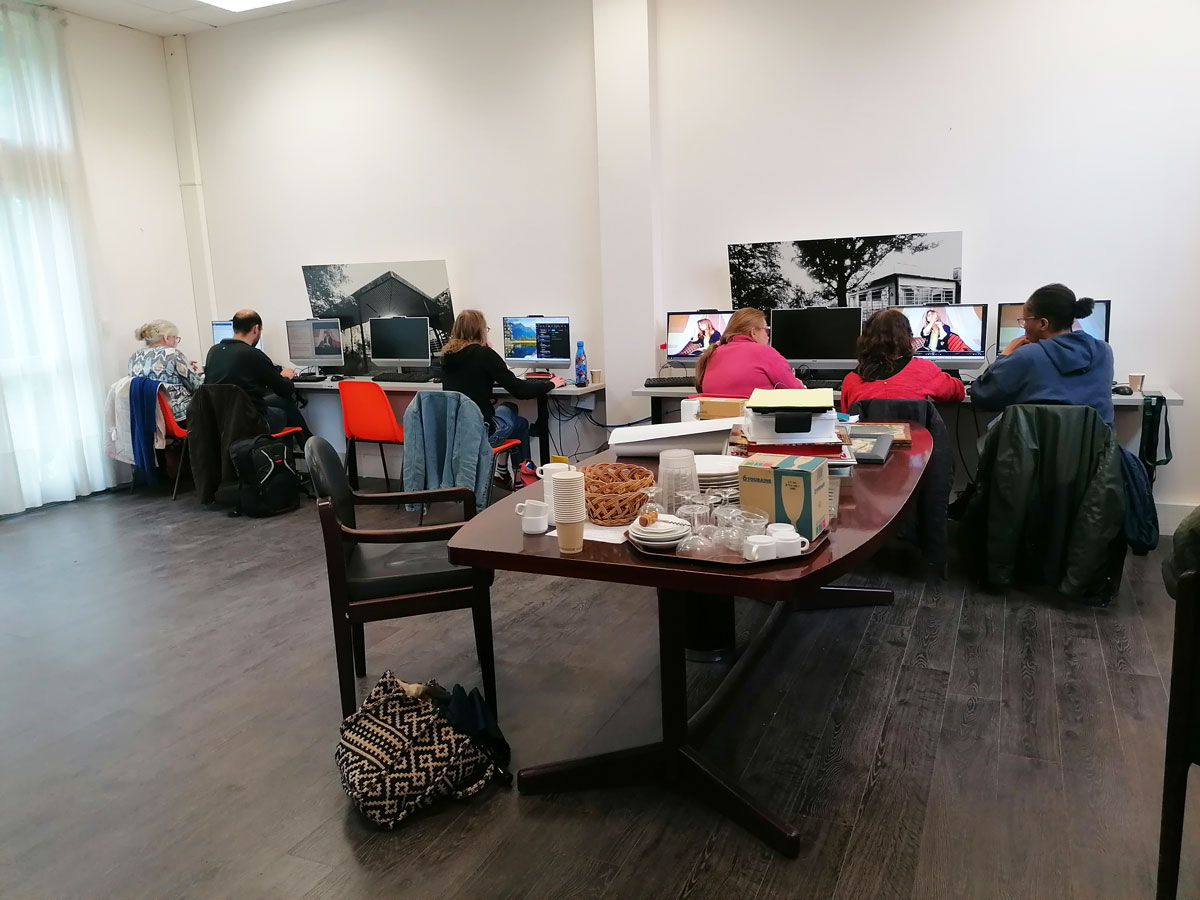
817 335
689 333
543 341
315 342
953 335
399 340
224 329
1007 330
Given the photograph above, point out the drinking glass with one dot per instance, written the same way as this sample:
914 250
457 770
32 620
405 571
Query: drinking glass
697 547
652 505
695 514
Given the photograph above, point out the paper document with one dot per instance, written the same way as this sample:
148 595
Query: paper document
605 534
707 436
791 398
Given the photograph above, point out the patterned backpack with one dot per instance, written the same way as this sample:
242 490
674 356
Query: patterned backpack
398 754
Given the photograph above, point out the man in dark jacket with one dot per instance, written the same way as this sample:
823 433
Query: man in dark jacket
237 361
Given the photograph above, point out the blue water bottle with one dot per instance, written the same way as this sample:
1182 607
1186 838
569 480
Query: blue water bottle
581 376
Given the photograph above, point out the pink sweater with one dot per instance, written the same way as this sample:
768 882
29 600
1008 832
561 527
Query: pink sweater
735 369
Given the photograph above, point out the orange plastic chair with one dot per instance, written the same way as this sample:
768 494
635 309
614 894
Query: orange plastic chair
367 416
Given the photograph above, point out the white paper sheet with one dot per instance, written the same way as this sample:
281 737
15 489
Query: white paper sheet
605 534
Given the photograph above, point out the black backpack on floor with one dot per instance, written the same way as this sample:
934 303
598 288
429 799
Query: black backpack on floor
267 479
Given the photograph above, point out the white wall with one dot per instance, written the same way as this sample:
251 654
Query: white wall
1060 138
377 131
123 117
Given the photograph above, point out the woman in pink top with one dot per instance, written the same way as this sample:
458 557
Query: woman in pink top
743 360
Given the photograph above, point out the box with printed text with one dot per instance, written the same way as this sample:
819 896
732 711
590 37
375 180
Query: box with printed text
793 489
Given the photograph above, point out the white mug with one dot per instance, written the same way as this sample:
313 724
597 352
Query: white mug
758 547
535 516
551 468
790 544
778 528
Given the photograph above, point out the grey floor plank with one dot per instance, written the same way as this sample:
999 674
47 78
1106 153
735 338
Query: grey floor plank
979 648
1098 784
1124 639
935 627
1027 718
813 874
1033 852
845 755
963 799
1157 611
883 853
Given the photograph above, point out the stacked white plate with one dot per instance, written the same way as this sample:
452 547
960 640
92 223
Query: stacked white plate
717 472
665 534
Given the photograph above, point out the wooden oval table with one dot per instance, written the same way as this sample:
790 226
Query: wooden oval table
871 501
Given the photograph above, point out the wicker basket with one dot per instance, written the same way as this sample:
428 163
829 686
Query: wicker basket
616 478
614 509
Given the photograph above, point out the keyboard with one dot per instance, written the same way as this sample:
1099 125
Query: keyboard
816 383
407 378
674 381
305 379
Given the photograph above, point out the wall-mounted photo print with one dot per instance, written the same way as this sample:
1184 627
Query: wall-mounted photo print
356 292
869 272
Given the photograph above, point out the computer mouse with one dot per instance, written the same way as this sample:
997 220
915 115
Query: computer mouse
1123 389
337 377
435 381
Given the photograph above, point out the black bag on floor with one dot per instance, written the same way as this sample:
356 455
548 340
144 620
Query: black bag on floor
400 753
267 479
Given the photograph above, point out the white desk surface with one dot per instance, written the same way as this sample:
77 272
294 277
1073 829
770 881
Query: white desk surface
679 393
409 387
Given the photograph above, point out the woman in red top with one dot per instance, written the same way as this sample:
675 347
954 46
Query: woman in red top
887 368
743 359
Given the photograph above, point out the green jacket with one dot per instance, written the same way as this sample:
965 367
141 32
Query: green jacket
1050 499
1185 552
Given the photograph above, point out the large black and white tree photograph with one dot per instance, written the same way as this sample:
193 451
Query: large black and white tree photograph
356 292
868 271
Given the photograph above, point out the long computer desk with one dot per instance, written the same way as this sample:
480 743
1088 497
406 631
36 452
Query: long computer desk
658 396
325 419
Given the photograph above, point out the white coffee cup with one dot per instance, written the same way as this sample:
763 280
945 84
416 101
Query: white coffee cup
778 528
758 547
790 544
535 516
689 410
1136 382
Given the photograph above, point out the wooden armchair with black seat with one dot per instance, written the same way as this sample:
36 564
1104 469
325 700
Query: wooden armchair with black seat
390 574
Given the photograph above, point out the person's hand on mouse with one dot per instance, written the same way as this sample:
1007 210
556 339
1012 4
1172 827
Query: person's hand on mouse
557 381
288 373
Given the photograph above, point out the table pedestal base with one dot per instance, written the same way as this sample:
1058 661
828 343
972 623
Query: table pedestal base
709 632
682 768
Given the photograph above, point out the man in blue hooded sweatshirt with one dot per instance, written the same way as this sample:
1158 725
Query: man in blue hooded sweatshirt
1051 363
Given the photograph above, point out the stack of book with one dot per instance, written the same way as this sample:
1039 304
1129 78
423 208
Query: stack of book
764 431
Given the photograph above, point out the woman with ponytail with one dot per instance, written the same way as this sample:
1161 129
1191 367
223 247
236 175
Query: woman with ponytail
1050 363
743 359
162 360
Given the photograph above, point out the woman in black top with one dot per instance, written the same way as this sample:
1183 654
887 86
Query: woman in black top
470 366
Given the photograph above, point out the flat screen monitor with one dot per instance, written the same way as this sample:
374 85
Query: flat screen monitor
315 342
399 340
818 335
1096 324
689 333
952 334
224 329
543 341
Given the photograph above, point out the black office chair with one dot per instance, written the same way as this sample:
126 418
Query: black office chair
390 574
1183 732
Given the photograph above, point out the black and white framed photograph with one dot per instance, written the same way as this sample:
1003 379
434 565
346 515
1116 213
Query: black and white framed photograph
870 272
356 292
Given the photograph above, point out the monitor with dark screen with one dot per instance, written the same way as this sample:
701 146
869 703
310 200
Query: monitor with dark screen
817 335
399 340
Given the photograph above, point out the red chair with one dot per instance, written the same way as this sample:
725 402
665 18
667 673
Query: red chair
367 416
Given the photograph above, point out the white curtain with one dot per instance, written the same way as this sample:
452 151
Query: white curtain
51 387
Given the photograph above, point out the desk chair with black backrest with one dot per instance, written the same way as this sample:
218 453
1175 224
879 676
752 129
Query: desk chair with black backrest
1049 503
394 573
926 522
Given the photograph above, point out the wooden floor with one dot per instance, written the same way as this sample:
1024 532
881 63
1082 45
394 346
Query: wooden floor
169 713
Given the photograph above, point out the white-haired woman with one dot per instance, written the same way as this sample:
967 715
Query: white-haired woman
162 360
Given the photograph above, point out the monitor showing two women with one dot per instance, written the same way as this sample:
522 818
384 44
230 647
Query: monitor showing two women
691 333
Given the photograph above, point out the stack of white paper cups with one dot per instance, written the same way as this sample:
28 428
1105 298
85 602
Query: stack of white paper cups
570 510
547 473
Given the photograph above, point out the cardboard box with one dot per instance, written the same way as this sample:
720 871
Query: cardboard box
792 489
721 407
